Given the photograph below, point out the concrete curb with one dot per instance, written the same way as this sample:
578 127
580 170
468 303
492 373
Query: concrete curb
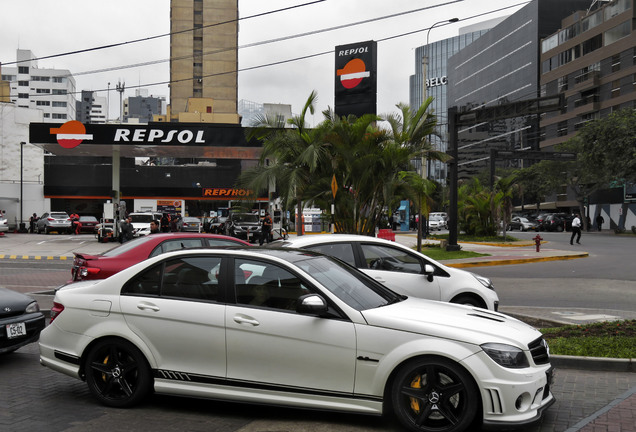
505 261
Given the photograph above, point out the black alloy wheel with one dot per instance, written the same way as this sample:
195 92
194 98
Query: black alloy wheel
117 373
433 394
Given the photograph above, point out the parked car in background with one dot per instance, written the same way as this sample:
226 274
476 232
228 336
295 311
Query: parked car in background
244 226
141 222
189 224
443 215
88 224
558 222
4 224
402 269
59 222
292 328
215 225
522 224
20 320
86 266
436 222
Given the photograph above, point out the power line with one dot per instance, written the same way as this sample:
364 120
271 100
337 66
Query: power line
300 57
168 34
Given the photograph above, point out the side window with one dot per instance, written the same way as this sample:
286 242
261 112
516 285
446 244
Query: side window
267 285
341 251
144 284
387 258
193 278
172 245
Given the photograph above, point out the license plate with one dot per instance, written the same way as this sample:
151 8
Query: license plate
16 330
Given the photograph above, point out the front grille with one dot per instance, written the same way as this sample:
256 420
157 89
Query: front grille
539 351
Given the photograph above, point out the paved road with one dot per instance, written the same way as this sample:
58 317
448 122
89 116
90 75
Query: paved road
33 398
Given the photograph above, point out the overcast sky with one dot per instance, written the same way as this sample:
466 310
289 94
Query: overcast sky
51 27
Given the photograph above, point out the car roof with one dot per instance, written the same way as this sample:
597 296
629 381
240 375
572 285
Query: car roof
330 238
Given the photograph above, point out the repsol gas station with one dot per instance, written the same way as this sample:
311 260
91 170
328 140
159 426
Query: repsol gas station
162 165
194 164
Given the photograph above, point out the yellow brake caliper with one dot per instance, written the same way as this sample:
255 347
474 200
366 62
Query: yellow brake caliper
415 404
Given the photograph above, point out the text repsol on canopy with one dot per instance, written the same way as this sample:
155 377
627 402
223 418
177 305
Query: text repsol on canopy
184 136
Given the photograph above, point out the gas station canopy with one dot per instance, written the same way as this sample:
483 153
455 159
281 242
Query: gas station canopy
184 140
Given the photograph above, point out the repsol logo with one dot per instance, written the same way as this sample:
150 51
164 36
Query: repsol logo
182 136
353 51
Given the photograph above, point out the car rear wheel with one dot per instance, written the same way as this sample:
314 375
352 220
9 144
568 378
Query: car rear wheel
117 373
432 394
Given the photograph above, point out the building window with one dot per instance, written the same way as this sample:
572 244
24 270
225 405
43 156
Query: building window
616 88
59 79
619 32
23 95
59 104
592 44
59 116
41 91
616 7
592 21
59 92
43 103
40 78
616 63
47 115
562 128
23 69
563 83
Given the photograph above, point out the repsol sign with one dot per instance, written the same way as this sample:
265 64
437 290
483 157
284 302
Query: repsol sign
181 136
437 81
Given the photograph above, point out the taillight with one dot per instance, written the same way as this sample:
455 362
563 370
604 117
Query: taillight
56 310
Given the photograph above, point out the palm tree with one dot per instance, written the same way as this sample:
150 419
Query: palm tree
289 158
411 129
506 187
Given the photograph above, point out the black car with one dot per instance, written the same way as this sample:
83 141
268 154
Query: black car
244 226
20 320
558 222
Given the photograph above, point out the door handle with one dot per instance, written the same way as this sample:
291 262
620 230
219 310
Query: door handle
379 279
245 320
148 306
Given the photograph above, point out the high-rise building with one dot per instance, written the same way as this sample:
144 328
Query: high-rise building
49 90
142 107
204 57
500 67
431 80
91 108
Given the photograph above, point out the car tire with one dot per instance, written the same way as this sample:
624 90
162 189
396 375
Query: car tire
559 228
434 394
117 373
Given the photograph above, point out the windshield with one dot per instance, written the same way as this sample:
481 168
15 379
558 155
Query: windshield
247 217
141 218
125 247
349 285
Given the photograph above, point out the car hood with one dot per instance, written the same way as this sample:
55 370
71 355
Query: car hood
452 321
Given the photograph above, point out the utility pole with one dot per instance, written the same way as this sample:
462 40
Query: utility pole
120 87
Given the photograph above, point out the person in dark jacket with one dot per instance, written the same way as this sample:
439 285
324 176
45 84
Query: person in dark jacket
127 230
165 223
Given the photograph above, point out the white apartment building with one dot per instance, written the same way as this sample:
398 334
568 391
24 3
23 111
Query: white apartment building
50 90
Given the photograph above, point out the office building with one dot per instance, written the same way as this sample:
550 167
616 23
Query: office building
431 79
204 57
142 107
50 90
91 108
591 59
500 67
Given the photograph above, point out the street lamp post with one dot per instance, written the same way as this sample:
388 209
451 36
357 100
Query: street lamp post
424 169
21 225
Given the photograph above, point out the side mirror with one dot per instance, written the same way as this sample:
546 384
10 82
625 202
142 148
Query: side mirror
429 270
312 304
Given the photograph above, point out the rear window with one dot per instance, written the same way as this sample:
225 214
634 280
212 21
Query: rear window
141 218
245 218
59 215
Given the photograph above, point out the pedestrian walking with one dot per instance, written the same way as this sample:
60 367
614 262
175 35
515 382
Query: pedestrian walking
576 229
599 221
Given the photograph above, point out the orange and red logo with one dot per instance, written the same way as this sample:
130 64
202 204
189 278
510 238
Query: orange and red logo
353 73
71 134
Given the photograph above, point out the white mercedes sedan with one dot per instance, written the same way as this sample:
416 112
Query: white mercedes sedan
297 329
402 269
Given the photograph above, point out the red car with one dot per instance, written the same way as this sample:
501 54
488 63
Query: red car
101 266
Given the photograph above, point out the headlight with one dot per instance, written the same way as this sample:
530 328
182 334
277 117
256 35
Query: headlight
32 307
506 355
484 281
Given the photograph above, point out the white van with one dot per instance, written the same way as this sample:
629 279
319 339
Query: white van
141 222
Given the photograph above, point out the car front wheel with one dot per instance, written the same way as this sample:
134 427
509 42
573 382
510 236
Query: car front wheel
432 394
117 373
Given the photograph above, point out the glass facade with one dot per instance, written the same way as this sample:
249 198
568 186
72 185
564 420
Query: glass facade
434 83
